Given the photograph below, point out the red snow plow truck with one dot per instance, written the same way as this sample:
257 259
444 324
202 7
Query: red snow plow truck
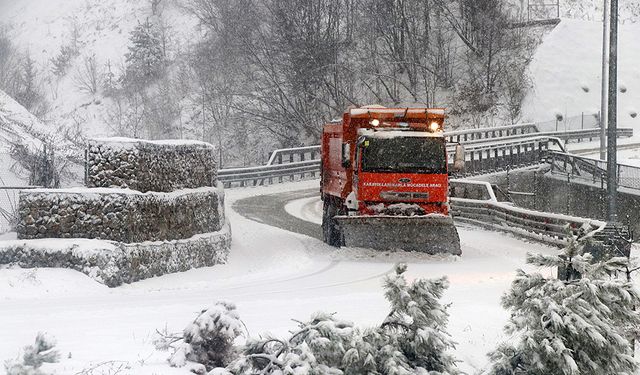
384 181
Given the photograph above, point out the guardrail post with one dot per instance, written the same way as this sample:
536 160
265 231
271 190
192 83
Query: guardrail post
618 174
472 162
511 157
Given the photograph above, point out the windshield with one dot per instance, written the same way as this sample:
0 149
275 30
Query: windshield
404 155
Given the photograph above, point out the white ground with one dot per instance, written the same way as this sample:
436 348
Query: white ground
272 275
566 71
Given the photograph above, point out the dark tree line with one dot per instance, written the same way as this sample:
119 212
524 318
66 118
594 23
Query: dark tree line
292 65
268 73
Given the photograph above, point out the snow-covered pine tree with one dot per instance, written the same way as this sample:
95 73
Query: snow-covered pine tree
316 347
145 60
574 325
209 339
411 340
42 351
417 323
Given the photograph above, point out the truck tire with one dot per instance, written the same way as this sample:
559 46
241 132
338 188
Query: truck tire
332 235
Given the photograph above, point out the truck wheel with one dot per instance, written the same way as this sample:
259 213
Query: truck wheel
330 229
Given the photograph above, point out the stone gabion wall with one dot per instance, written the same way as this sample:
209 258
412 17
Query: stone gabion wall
161 166
115 263
150 208
119 214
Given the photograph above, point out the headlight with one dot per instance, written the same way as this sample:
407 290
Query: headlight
434 127
375 122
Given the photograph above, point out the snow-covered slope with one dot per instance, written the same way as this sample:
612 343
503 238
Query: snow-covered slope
566 73
101 28
17 125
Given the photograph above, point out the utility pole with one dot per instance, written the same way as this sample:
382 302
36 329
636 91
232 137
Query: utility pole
605 77
612 164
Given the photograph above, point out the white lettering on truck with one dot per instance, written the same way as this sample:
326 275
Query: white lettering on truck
396 184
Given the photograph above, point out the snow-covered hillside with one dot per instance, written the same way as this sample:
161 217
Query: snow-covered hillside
100 28
566 73
17 125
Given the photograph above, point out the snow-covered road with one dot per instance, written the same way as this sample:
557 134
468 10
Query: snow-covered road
273 275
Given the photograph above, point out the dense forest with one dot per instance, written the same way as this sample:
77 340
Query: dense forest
261 74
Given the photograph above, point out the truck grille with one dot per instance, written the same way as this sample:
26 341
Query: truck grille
402 196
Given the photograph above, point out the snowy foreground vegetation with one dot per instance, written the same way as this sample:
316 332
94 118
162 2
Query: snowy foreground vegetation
582 323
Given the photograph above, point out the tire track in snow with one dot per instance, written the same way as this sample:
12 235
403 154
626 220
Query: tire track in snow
270 210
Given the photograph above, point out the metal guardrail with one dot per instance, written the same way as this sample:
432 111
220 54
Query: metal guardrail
503 155
567 136
488 149
264 175
485 210
592 171
463 136
291 155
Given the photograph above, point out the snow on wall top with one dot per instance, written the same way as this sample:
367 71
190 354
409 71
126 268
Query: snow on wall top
96 193
122 142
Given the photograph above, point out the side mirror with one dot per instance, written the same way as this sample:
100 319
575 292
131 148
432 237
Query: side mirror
458 158
346 155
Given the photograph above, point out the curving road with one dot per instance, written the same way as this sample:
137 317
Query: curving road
269 209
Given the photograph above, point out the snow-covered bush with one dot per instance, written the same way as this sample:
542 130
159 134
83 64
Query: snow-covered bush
208 340
411 340
417 322
578 324
42 351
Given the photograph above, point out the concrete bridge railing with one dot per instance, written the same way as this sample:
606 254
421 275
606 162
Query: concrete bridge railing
592 171
475 202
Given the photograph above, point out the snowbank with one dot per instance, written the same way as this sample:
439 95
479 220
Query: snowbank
566 73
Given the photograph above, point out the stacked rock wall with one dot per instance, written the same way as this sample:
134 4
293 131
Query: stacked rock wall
151 208
115 263
119 214
161 166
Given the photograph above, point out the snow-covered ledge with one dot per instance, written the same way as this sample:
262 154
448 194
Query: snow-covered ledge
143 165
115 263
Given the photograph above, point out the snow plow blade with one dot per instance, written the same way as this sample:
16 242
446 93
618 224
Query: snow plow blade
431 234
